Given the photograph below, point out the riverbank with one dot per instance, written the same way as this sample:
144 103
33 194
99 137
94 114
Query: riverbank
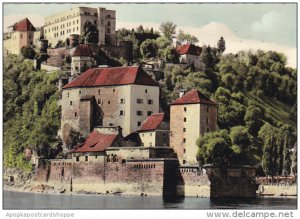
31 201
277 190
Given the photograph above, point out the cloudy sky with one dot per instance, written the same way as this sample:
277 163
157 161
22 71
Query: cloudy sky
244 26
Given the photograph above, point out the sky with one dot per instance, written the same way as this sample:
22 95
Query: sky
244 26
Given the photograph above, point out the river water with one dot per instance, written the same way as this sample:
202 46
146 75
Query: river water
22 200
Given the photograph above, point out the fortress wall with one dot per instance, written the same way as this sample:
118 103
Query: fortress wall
157 177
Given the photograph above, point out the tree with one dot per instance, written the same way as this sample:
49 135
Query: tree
28 52
221 45
186 37
90 33
215 148
294 162
242 145
171 55
168 29
149 48
268 134
207 58
254 119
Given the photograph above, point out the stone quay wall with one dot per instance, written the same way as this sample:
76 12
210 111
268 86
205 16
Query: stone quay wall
156 177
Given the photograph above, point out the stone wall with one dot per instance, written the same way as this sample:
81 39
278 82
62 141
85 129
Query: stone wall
159 177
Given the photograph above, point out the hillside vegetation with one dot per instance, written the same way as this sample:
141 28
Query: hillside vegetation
255 91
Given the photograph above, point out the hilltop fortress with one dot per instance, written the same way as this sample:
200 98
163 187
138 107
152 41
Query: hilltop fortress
112 127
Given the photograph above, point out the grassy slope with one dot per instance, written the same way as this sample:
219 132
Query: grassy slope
278 110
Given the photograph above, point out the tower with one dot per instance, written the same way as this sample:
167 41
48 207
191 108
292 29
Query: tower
192 115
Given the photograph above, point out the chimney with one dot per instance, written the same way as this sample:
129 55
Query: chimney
181 92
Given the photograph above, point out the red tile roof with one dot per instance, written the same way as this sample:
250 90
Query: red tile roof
96 142
189 49
112 76
23 25
88 50
193 96
152 122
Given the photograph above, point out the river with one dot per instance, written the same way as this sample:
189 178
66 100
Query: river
22 200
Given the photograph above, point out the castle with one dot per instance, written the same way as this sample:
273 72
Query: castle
129 145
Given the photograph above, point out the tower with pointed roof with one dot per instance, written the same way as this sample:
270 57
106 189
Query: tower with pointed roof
192 115
21 35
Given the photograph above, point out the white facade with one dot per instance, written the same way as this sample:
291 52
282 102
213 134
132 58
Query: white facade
60 26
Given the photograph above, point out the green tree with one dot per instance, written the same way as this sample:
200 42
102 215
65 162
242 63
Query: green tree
294 161
90 33
28 52
186 38
168 29
149 48
242 145
254 119
221 45
268 134
215 148
207 57
171 55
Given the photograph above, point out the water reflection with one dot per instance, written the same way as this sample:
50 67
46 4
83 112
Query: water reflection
20 200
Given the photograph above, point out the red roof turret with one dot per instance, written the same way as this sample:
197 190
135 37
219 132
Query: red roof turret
193 96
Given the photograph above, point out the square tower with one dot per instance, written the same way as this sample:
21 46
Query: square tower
192 115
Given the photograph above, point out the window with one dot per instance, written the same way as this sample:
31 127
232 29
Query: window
108 30
99 91
108 102
184 151
77 28
184 140
114 90
184 119
80 92
111 124
86 159
73 22
149 113
122 113
138 123
75 114
68 94
150 144
184 109
77 158
77 21
207 129
122 101
96 156
206 121
143 134
150 133
108 24
71 103
21 35
184 162
139 101
150 101
184 129
95 22
207 109
146 91
139 113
